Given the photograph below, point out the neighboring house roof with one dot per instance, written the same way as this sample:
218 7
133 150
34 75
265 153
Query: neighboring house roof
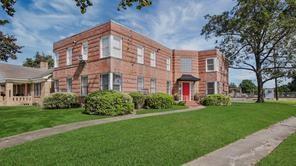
16 72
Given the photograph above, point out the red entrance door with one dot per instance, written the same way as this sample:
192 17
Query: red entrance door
186 90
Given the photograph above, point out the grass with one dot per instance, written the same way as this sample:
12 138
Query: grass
161 140
283 155
175 107
15 120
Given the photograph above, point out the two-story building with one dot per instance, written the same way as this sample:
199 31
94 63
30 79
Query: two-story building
112 56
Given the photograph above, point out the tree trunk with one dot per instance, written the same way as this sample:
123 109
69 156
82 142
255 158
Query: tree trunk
260 93
276 89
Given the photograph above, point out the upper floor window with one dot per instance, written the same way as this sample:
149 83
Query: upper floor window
168 64
152 85
84 50
140 54
211 64
153 59
56 60
69 56
69 84
186 65
111 46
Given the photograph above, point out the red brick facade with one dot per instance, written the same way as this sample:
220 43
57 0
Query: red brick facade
127 66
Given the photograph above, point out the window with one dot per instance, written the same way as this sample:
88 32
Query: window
212 64
69 56
186 65
152 85
69 84
168 87
56 60
56 86
140 83
116 47
168 64
117 82
84 51
153 59
211 88
105 81
140 54
84 85
111 46
37 89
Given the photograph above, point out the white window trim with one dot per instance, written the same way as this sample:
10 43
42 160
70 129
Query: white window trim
153 60
110 37
68 56
215 87
216 64
168 64
84 56
140 61
82 86
56 60
181 66
69 90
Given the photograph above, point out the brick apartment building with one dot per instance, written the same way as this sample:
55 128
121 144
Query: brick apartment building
112 56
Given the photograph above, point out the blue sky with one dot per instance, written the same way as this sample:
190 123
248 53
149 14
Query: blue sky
176 24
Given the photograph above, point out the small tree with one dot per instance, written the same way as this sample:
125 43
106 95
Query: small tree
247 86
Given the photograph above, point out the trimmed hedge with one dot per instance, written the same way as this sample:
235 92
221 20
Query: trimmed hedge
108 103
60 101
216 100
138 99
159 101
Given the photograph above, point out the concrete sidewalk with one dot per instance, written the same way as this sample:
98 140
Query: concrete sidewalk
250 150
37 134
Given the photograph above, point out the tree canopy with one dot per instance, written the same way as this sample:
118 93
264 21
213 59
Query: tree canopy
247 86
39 57
258 36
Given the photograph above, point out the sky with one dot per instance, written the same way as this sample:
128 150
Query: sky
174 23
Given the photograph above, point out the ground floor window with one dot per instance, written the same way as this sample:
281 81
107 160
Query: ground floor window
153 86
37 89
56 86
168 87
69 84
140 83
116 81
211 88
84 85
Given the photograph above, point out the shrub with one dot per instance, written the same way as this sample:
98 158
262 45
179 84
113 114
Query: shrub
180 103
217 99
159 101
138 99
60 101
108 103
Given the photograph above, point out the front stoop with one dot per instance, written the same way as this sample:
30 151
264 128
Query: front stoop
192 104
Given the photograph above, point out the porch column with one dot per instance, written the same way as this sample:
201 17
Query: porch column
9 93
45 90
26 90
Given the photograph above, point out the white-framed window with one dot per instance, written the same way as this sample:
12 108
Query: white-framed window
69 56
56 86
116 82
140 83
211 88
186 65
168 87
140 54
56 59
37 89
212 64
111 46
153 86
153 59
168 64
84 50
69 84
84 85
105 81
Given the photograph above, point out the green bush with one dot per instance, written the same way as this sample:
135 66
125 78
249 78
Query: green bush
60 101
138 99
159 101
108 103
180 103
217 99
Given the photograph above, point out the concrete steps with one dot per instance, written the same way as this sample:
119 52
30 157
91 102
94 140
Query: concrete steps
191 104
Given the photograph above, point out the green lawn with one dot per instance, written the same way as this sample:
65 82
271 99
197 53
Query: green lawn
161 140
175 107
15 120
283 155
